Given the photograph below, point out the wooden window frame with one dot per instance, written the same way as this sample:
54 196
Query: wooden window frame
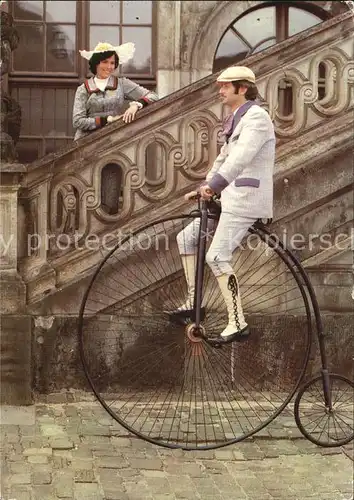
48 74
138 77
281 22
82 40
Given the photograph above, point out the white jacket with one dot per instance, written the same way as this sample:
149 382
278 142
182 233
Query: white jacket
243 171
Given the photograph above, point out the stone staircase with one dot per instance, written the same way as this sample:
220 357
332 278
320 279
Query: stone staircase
60 199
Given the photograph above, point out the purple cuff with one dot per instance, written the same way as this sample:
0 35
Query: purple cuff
218 183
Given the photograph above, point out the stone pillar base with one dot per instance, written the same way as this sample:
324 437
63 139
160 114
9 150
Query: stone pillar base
15 360
12 293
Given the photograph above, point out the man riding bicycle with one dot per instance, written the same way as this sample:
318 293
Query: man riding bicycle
242 175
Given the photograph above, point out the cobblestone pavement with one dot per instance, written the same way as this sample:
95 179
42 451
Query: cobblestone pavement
60 450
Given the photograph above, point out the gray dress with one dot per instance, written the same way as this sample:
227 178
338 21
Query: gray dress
91 103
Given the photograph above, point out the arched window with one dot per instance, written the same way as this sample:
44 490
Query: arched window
262 27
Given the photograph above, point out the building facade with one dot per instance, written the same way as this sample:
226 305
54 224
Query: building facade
177 43
302 54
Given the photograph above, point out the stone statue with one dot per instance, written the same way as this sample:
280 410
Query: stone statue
10 118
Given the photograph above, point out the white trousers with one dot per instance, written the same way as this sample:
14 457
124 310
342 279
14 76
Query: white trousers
226 234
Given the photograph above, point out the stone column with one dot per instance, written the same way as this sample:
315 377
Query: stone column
15 352
13 293
168 46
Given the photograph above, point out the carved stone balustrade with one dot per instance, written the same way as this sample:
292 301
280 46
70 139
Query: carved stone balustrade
66 220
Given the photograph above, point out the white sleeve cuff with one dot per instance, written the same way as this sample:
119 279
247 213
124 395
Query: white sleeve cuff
137 103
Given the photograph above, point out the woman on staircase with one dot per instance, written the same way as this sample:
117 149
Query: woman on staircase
243 175
104 95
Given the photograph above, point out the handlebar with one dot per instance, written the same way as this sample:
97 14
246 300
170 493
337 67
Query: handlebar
197 195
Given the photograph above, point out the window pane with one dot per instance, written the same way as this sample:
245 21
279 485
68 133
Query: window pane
300 20
29 54
36 111
257 25
103 12
230 51
108 34
48 127
231 45
29 10
62 112
45 111
137 12
141 63
71 96
264 45
61 48
22 96
61 11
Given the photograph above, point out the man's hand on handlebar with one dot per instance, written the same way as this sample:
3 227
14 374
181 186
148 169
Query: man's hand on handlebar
193 195
205 193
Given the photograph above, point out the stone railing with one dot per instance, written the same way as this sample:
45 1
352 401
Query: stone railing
64 218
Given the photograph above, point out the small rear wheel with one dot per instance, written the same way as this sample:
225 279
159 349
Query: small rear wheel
324 425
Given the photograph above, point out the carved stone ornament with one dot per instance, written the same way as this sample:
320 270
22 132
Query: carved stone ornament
10 119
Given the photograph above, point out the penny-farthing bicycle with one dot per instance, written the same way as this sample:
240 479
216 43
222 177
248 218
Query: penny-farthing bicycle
162 380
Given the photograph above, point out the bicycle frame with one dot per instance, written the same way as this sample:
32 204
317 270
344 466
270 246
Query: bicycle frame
318 321
200 262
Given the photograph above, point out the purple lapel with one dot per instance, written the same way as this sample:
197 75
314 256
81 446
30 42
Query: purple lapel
231 121
228 125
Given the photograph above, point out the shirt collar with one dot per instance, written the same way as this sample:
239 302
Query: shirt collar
91 86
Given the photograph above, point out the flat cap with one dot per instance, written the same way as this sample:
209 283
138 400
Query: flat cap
237 73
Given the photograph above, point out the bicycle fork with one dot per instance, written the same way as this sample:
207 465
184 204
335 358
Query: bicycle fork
326 385
199 278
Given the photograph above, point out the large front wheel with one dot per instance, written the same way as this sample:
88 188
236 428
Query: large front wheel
164 384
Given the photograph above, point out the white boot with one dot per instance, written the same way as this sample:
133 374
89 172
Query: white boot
186 310
189 266
237 328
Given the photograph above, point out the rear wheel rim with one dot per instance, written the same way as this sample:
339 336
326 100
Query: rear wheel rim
323 426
